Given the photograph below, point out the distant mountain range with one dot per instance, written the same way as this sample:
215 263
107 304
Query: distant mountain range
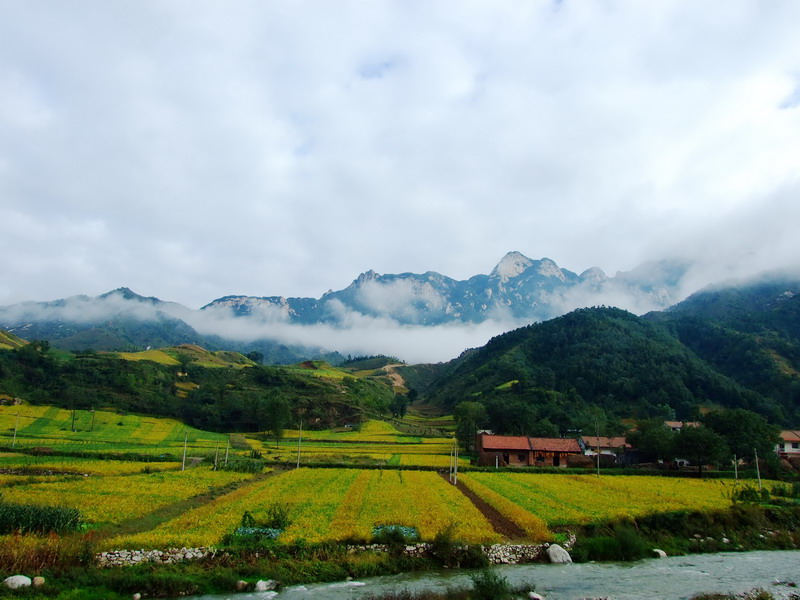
518 288
518 291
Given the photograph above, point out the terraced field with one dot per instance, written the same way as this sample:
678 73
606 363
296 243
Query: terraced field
100 431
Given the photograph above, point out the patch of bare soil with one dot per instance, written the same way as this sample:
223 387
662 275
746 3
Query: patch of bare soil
500 523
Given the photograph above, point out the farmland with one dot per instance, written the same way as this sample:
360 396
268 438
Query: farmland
323 504
124 474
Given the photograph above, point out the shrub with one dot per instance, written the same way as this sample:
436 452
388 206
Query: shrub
242 465
32 518
489 585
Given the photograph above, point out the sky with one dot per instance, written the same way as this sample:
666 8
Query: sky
191 149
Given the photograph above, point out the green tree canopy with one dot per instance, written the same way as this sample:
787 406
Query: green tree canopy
469 416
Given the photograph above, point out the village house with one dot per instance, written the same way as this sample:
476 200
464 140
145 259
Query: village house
612 447
522 451
676 426
790 444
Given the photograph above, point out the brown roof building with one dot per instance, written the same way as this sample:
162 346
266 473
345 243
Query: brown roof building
521 451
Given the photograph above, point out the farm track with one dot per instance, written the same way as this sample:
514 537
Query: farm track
171 511
499 522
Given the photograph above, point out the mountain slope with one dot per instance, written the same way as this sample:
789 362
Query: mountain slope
748 331
605 357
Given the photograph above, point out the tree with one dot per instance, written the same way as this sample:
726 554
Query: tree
278 415
399 405
256 356
468 416
744 432
701 446
653 439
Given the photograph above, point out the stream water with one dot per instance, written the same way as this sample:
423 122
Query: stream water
673 578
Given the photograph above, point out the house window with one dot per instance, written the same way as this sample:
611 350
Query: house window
795 445
783 445
521 457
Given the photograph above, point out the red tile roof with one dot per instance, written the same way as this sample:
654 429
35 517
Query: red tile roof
592 441
505 442
790 435
555 445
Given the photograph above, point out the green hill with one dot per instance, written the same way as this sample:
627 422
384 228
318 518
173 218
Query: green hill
545 377
219 391
750 332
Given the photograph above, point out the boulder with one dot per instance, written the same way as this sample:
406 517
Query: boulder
535 596
657 553
558 555
16 582
241 585
38 581
266 586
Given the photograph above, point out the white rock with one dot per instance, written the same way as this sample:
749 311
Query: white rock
558 555
266 586
38 581
659 553
17 581
137 596
535 596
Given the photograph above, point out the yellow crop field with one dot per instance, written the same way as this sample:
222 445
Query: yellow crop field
115 498
420 499
81 465
312 495
156 356
328 504
99 430
568 499
429 460
369 431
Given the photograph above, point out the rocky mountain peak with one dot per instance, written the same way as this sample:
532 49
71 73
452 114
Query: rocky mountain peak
511 265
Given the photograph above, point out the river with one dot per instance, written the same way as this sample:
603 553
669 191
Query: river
672 578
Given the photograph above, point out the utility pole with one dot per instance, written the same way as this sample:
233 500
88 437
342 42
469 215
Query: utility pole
226 450
735 468
299 441
455 467
16 425
216 455
758 470
597 429
92 429
185 438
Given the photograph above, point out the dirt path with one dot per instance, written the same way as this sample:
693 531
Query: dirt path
501 524
395 377
166 513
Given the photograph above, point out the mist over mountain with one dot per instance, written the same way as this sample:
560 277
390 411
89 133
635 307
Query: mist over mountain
426 317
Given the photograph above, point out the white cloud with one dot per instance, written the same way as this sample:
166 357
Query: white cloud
192 150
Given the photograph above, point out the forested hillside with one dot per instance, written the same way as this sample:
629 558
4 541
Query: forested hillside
221 391
750 333
547 376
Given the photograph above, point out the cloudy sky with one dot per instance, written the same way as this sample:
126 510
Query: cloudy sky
190 149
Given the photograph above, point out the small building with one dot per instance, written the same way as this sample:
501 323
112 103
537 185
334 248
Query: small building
553 452
522 451
790 444
676 426
611 447
503 450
